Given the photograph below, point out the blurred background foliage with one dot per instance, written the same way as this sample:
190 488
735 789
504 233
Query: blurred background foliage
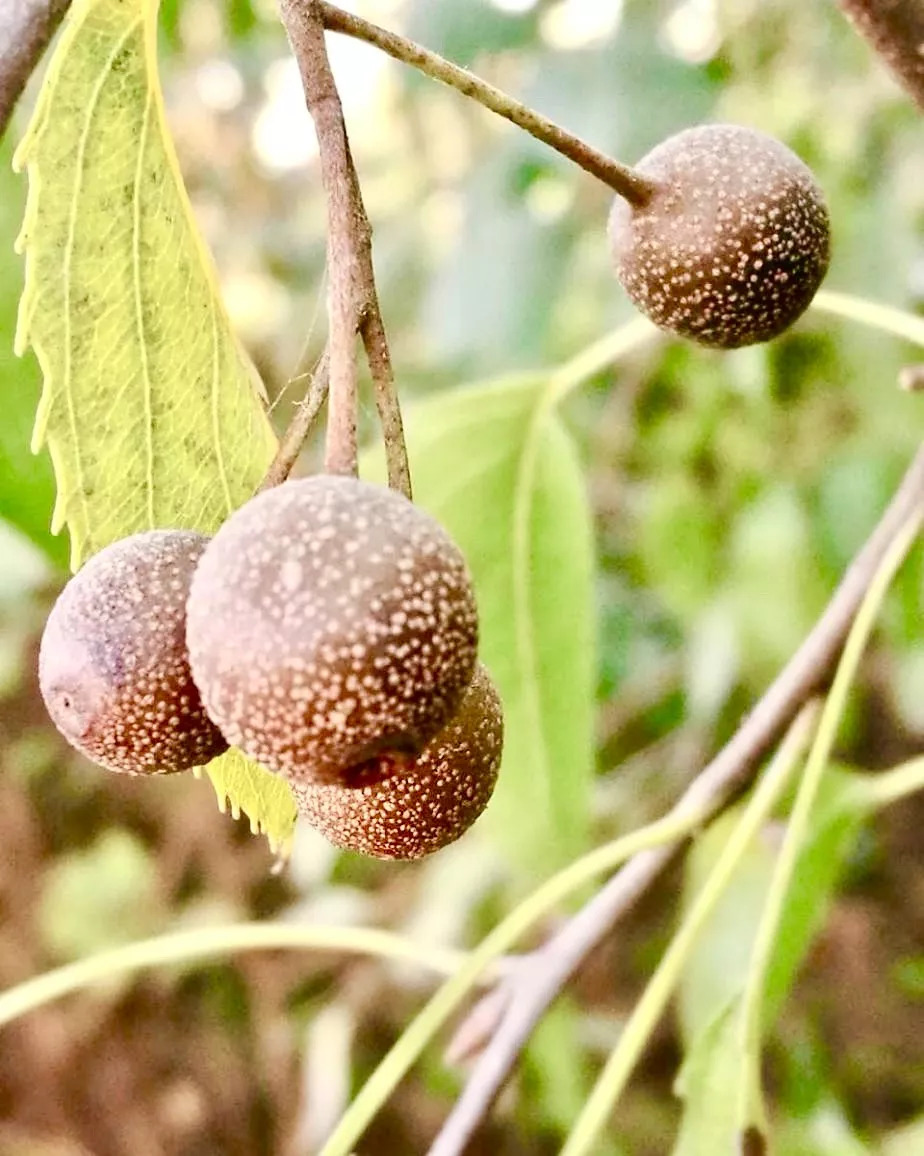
729 492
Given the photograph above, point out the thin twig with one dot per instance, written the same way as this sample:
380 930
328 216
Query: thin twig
26 29
895 29
540 977
344 225
372 332
636 189
292 441
353 304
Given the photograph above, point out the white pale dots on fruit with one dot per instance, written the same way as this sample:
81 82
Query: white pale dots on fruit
426 804
734 244
113 666
331 620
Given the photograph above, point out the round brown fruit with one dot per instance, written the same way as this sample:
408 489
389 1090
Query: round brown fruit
733 244
113 666
330 621
414 809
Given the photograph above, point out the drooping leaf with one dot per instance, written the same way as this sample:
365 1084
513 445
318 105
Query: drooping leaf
719 1115
150 408
837 817
498 469
715 992
718 969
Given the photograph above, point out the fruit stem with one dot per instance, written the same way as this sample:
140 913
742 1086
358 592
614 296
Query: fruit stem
306 34
624 181
292 441
353 305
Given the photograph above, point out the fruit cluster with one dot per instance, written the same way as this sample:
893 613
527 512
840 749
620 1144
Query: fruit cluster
329 630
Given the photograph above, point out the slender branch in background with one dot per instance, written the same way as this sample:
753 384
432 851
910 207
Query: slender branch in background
306 412
538 978
353 305
26 29
623 180
306 34
895 29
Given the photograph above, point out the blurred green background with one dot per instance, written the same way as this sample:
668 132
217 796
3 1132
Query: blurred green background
729 493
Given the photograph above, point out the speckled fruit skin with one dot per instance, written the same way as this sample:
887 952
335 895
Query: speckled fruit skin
113 666
733 247
421 807
331 620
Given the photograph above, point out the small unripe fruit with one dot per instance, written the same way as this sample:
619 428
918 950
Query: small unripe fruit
113 666
733 244
417 808
329 621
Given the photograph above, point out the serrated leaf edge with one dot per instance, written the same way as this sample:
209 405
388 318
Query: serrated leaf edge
25 158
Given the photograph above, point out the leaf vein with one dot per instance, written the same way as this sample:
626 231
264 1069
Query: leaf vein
99 85
139 313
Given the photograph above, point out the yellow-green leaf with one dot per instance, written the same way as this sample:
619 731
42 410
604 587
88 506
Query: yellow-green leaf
150 408
265 799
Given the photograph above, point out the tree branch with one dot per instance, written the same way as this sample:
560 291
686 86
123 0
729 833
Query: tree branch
539 977
353 305
26 29
623 180
345 222
895 29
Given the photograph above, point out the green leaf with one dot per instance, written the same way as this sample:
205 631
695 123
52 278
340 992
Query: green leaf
556 1081
837 817
498 469
719 1116
150 408
713 1010
827 1131
717 971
